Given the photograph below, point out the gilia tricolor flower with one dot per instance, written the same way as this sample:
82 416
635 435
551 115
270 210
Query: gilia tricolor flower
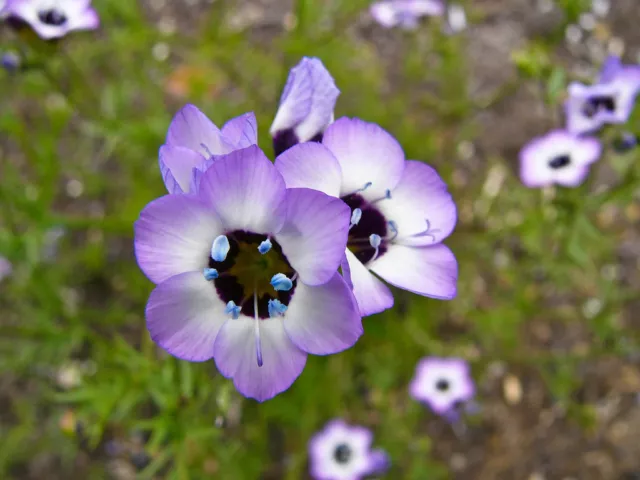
343 452
246 274
400 211
405 13
610 100
54 18
194 142
558 157
306 105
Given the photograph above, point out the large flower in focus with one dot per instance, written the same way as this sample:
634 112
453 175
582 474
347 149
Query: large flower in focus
400 211
54 18
194 142
405 13
247 274
610 100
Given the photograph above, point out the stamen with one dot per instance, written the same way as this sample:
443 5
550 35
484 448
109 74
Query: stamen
356 215
220 248
210 274
257 329
366 185
281 282
393 226
387 196
207 149
265 246
232 309
375 240
276 308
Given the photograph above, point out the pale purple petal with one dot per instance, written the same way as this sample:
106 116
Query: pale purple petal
235 356
420 206
184 315
346 271
430 271
314 236
174 235
367 155
379 462
385 13
324 319
310 165
176 167
246 190
242 131
372 295
610 69
405 13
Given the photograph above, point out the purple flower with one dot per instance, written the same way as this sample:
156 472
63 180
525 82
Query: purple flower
343 452
405 13
194 142
558 157
5 268
306 105
401 211
54 19
11 61
223 292
442 383
610 100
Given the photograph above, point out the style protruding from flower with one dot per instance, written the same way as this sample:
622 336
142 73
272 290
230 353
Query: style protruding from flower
558 157
609 101
401 211
306 105
343 452
443 384
405 13
194 142
215 295
54 19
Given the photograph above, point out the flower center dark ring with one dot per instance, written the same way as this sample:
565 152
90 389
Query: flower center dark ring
371 222
52 17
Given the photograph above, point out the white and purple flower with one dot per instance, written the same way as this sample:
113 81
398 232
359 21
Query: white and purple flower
405 13
306 105
54 18
558 157
443 384
343 452
6 269
194 142
400 211
246 274
610 100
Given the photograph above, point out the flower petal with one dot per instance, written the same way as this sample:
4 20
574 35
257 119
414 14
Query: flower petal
192 129
372 295
174 235
242 131
324 319
176 167
184 315
430 271
367 154
246 190
235 356
314 236
420 206
310 165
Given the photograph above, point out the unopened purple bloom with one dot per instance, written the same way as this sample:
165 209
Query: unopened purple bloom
405 13
5 268
194 142
54 19
558 157
231 316
401 211
610 100
343 452
442 383
306 105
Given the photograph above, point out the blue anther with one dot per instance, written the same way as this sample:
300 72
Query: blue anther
220 248
387 194
276 308
356 215
265 246
393 226
375 240
232 309
210 274
281 282
366 185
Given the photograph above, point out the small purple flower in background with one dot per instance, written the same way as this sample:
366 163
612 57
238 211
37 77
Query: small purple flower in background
558 157
247 274
5 268
610 100
405 13
442 383
54 19
306 105
194 142
343 452
400 211
11 62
